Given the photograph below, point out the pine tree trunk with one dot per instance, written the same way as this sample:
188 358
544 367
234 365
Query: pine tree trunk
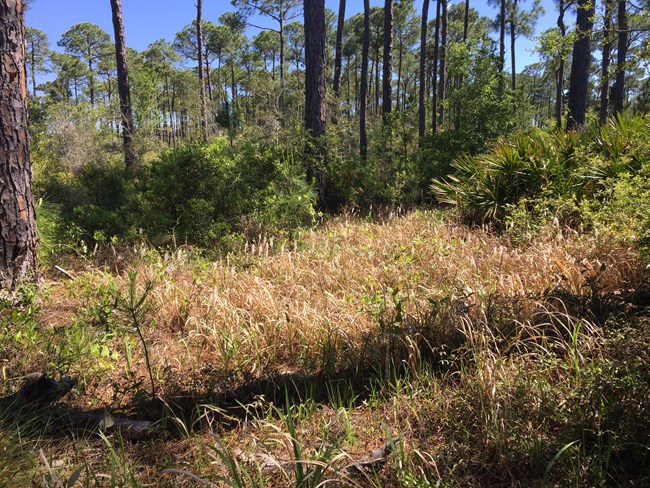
377 81
387 88
443 55
466 21
91 82
281 98
208 75
123 88
315 100
579 81
502 36
233 86
513 38
338 58
559 86
199 40
619 86
434 81
363 90
604 71
18 237
422 112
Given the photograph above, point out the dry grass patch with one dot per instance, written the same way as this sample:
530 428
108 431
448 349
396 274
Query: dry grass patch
467 347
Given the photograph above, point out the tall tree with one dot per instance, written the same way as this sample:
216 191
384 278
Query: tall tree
338 56
281 11
559 81
186 44
443 59
521 22
235 41
422 112
606 50
466 21
37 50
18 237
501 23
434 76
70 71
91 43
387 75
406 33
199 44
315 101
619 85
514 10
159 59
363 90
123 87
579 80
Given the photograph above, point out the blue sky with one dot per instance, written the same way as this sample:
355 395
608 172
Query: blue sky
148 20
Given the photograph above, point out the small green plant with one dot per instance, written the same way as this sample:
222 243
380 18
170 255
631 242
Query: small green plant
136 306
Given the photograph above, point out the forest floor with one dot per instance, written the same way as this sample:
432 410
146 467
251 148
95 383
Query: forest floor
469 359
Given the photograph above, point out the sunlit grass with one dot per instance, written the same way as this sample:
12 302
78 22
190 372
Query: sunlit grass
483 357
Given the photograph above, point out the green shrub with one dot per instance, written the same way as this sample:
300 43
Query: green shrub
540 169
527 167
621 210
183 195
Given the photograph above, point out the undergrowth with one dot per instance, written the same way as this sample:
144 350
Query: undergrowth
476 361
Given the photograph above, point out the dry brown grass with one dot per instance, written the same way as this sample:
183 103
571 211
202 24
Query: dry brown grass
417 290
288 311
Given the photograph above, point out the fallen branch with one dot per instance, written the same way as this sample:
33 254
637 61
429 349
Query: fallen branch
63 271
132 429
40 390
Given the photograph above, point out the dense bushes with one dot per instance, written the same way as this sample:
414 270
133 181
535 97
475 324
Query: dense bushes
598 178
194 194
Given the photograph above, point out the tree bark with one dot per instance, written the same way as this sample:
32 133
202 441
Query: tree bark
466 21
513 38
199 43
604 72
233 86
208 71
315 101
18 237
363 90
91 82
559 86
579 81
434 81
124 90
423 59
443 55
387 88
619 86
338 58
502 36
